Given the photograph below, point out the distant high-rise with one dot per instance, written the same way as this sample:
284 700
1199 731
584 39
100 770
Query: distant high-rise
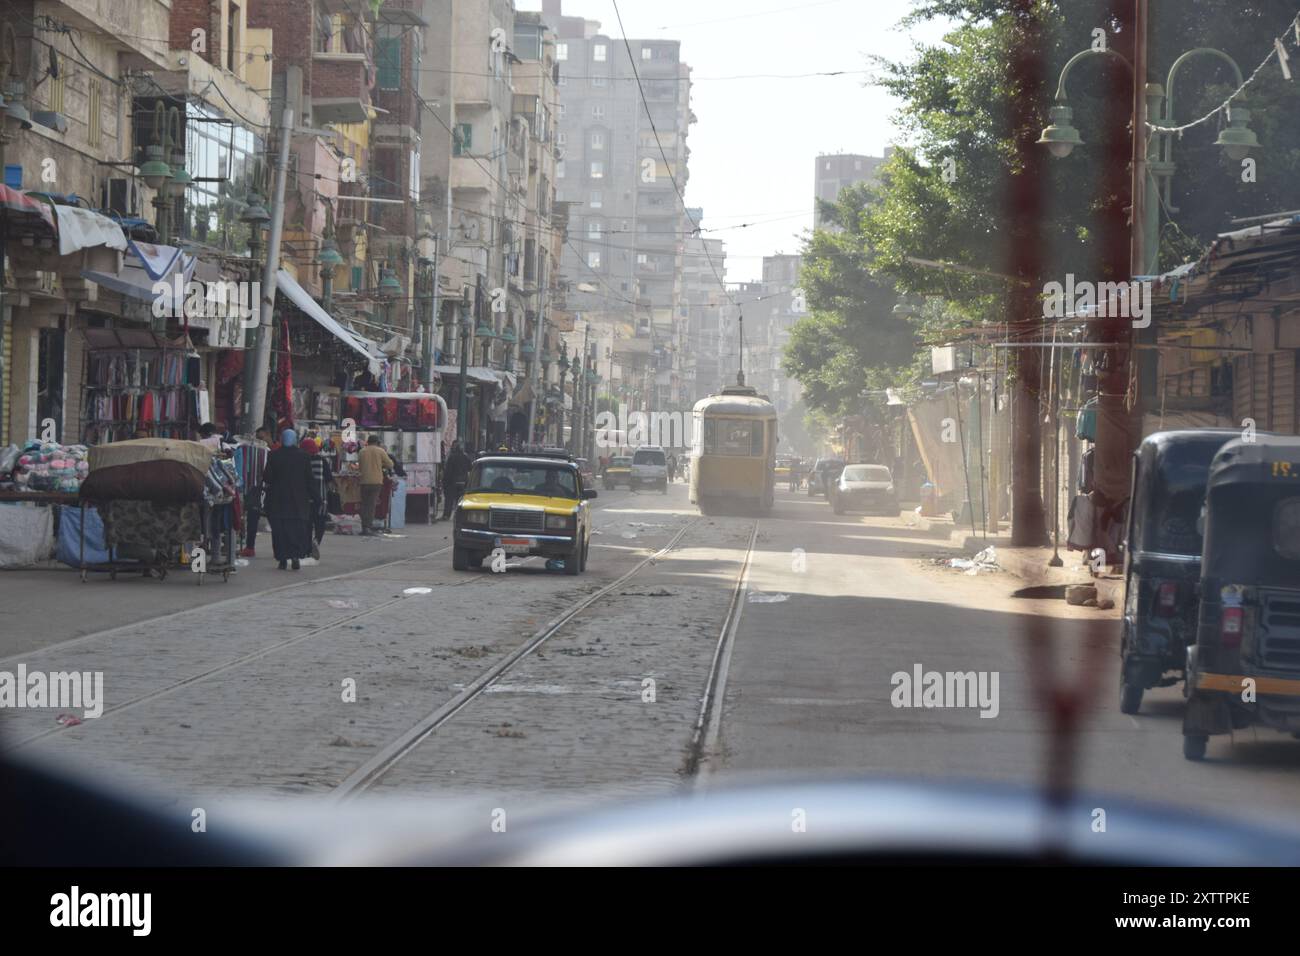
837 171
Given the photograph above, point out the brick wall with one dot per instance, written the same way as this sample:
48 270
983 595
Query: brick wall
293 24
190 15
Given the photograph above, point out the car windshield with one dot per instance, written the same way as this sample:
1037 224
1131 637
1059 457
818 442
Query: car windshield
517 478
866 473
706 468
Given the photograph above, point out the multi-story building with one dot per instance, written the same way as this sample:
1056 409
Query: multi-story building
702 299
624 164
834 172
781 307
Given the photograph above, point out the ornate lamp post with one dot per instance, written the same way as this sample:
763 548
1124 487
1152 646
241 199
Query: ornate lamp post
329 259
563 365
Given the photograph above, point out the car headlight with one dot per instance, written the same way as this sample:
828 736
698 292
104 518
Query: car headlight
474 516
559 522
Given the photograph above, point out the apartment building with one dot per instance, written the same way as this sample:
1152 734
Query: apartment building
834 172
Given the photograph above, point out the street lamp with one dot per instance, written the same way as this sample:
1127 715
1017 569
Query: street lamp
1237 139
564 372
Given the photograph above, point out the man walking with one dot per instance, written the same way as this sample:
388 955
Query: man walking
322 477
373 462
454 473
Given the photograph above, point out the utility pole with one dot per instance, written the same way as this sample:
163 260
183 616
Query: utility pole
258 371
536 363
428 357
462 414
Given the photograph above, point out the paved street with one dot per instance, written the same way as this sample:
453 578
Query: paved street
240 688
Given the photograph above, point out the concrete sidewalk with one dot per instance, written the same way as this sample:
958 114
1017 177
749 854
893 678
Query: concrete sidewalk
1032 564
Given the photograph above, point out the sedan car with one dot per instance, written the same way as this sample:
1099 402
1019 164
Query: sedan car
523 506
867 488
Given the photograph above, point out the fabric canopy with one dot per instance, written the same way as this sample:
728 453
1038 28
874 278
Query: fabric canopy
150 449
298 295
13 203
83 228
474 373
138 276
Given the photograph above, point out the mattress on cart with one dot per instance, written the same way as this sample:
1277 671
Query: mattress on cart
151 526
154 469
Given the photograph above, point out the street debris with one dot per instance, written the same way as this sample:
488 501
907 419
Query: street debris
410 592
1081 595
67 720
986 560
343 605
766 597
659 593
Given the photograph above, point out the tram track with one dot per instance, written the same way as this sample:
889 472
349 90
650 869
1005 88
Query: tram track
390 755
251 657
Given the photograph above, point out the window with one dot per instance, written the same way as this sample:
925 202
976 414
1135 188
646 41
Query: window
597 170
593 229
733 437
559 169
94 118
564 80
561 51
597 140
388 63
59 85
563 109
232 39
463 140
561 139
641 258
646 53
599 52
599 81
593 259
598 111
414 184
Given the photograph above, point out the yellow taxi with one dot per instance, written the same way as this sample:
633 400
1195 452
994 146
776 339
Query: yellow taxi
618 471
532 504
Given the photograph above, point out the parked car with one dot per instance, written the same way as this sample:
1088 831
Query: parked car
649 468
867 488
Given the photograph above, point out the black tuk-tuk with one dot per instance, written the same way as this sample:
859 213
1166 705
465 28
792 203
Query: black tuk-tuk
1162 557
1245 665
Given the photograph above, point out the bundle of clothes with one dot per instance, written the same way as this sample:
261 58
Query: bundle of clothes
45 466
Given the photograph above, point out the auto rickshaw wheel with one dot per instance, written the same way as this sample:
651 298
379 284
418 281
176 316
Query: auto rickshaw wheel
1130 697
1194 746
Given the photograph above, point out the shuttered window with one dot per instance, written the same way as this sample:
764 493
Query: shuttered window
388 63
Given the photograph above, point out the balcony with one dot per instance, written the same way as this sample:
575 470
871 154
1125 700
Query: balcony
340 88
468 173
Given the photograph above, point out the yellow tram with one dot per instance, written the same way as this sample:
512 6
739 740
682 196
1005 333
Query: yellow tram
733 452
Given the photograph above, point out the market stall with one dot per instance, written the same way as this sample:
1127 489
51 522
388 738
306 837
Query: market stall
36 481
410 427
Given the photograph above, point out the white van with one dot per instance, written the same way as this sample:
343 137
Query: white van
650 468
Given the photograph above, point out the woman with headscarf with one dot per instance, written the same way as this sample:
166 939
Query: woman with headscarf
290 501
322 476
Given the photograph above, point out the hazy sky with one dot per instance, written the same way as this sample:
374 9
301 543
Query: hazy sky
752 150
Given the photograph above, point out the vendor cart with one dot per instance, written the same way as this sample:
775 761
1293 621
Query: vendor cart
155 497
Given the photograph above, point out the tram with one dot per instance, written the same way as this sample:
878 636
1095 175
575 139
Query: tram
733 451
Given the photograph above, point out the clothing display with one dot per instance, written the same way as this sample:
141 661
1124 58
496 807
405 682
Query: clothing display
130 389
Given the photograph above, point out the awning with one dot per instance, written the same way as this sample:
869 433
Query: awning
138 279
82 228
17 206
474 372
289 286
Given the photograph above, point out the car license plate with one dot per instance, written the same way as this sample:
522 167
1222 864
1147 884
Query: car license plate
515 545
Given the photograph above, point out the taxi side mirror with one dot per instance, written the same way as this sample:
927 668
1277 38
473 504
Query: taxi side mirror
588 494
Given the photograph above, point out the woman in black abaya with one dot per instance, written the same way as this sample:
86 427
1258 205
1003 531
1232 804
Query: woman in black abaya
290 500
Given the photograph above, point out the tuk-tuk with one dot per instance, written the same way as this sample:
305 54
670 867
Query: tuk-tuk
1162 557
1244 667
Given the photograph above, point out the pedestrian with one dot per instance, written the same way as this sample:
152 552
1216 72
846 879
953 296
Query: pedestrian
373 462
251 459
289 500
672 467
209 437
322 478
454 473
